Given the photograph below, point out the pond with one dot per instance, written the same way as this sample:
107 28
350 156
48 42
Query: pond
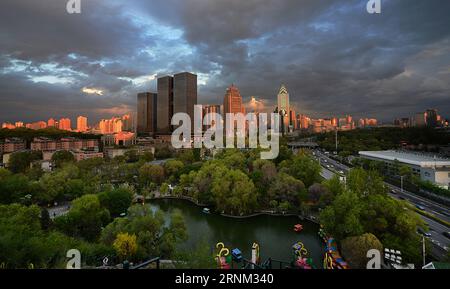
274 234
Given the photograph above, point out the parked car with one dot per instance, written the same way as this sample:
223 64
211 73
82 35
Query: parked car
446 234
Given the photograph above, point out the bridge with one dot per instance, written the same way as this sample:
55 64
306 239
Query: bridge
300 144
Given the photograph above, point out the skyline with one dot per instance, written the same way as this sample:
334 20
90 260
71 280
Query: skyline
384 66
185 89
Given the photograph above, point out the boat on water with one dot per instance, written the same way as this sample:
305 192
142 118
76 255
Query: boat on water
206 210
298 228
236 254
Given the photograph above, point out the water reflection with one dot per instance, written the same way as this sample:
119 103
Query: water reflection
275 235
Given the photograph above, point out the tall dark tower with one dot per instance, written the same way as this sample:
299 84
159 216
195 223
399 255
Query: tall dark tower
185 94
165 104
146 113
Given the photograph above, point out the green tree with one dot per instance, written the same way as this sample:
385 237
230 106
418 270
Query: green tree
147 156
304 168
233 192
365 182
286 188
13 188
173 168
61 157
45 219
131 156
342 217
154 238
85 219
116 200
151 174
200 257
20 162
317 192
125 245
354 249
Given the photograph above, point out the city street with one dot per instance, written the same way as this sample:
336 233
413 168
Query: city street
436 229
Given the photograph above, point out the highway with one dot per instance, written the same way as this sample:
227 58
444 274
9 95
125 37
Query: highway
436 229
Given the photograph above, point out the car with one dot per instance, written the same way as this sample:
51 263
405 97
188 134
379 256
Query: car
446 234
420 207
341 172
422 232
445 213
394 192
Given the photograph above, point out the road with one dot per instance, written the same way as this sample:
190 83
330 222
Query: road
441 211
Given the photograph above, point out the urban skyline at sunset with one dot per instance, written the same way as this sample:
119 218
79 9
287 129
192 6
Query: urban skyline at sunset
96 68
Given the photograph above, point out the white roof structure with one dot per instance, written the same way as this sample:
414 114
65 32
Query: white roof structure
411 158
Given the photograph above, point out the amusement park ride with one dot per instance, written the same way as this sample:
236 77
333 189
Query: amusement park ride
233 259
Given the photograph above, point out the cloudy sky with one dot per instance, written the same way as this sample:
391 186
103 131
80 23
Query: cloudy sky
333 56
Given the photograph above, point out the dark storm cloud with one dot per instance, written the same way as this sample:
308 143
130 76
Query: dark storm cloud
334 57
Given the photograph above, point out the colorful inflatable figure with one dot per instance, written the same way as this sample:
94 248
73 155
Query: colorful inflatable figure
256 259
333 259
300 253
223 257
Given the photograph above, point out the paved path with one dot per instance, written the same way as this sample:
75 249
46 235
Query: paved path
58 210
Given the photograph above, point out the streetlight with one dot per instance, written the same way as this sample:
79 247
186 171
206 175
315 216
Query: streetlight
401 183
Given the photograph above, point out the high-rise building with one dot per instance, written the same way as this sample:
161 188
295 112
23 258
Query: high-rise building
111 126
147 113
206 111
432 118
185 94
165 105
82 124
51 123
232 102
292 121
284 107
8 125
65 124
127 123
19 124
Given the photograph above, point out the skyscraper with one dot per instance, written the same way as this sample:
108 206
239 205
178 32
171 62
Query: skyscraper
232 102
65 124
51 122
146 112
419 119
165 105
185 94
432 117
82 124
127 123
284 108
209 109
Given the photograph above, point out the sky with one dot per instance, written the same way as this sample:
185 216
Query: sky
334 57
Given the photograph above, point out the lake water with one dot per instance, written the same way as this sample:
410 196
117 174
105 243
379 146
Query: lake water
275 235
